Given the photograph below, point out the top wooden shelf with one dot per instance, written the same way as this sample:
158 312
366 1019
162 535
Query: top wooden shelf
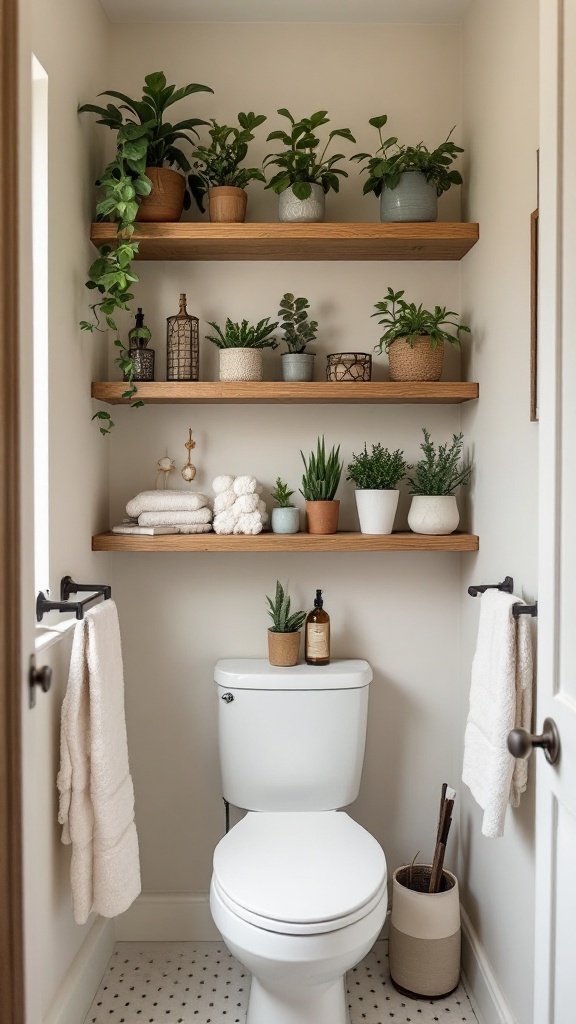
205 241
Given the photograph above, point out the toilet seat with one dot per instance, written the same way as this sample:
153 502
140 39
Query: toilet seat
299 872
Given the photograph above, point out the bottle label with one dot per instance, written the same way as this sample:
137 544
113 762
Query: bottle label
318 640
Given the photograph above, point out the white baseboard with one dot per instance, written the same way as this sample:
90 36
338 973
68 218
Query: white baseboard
81 981
486 996
168 917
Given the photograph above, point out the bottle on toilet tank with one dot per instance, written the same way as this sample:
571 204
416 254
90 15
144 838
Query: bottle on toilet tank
317 634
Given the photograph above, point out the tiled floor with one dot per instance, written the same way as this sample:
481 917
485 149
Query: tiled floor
200 983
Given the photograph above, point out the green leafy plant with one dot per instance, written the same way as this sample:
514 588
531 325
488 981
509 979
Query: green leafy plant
301 164
243 335
299 331
390 160
321 473
379 470
406 320
283 621
218 163
440 471
281 495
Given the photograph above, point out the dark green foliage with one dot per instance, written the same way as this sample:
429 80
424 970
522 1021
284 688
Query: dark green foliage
219 162
321 473
406 320
391 160
298 330
440 471
279 612
243 335
281 495
300 163
381 470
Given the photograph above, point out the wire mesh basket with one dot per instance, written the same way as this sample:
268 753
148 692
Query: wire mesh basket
349 366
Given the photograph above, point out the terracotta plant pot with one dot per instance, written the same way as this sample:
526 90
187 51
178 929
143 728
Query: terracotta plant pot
418 361
283 648
240 364
322 516
227 204
166 200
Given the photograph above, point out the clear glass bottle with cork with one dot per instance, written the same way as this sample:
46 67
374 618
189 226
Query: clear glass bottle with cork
317 634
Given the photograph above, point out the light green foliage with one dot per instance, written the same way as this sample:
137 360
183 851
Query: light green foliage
279 611
406 320
281 495
300 163
219 162
321 473
379 470
243 335
440 471
391 160
298 330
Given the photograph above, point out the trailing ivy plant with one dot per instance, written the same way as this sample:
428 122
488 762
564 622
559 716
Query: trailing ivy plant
219 162
301 165
243 335
299 331
408 321
440 471
378 470
390 160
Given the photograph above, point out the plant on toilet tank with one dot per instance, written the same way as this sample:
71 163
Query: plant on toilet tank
436 476
284 634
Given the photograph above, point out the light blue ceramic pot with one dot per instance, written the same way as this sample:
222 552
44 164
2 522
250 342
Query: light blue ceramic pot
413 199
286 520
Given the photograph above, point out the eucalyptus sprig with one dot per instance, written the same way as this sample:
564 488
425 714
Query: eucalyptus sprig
301 165
299 331
243 335
408 321
283 621
440 472
378 470
321 473
390 160
218 163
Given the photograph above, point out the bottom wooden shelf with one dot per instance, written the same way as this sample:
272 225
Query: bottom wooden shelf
342 541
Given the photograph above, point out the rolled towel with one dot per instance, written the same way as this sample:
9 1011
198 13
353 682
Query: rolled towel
245 485
162 501
224 500
222 483
249 523
203 515
261 506
245 503
224 522
196 528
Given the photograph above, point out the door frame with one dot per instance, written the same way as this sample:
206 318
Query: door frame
11 916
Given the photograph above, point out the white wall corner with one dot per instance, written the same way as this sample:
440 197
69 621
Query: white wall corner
80 983
480 982
168 917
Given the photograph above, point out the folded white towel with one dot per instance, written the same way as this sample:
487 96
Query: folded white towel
96 807
160 501
150 531
202 515
500 698
198 528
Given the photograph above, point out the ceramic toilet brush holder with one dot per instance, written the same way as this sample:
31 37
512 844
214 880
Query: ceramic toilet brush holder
424 950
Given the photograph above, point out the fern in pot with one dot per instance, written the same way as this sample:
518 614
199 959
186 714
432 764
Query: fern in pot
377 474
414 337
439 472
241 346
320 482
285 517
299 331
217 171
284 633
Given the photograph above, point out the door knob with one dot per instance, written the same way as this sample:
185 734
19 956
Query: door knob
41 677
522 743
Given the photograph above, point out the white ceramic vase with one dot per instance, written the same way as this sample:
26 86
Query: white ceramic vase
240 364
433 514
376 510
303 211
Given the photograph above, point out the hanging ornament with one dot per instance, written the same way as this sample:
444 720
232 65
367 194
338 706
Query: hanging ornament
164 467
188 470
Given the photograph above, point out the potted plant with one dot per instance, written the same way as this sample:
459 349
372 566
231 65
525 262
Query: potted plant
216 169
284 633
433 510
414 337
299 331
285 517
305 174
409 179
377 475
319 485
241 346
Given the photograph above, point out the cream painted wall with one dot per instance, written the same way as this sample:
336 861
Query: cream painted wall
501 138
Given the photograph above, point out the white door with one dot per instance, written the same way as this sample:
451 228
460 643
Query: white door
555 971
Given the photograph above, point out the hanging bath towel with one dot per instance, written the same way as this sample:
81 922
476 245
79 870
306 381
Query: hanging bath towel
500 700
96 792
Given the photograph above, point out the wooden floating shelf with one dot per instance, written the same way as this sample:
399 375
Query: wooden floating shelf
265 392
285 542
364 241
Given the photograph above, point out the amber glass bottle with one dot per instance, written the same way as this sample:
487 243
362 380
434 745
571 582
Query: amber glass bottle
317 650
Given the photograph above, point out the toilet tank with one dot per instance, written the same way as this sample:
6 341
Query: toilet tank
291 739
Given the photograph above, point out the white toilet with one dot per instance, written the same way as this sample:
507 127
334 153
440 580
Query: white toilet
298 888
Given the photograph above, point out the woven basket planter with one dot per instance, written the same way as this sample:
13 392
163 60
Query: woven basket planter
227 204
283 648
166 200
418 361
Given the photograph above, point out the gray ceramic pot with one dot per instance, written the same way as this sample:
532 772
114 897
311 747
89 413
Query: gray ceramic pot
307 211
298 366
413 199
286 520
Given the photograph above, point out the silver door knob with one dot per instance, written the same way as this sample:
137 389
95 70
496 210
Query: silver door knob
522 743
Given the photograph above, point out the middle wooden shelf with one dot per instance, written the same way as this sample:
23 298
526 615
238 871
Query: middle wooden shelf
341 541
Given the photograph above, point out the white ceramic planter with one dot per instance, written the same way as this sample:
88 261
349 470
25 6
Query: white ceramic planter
240 364
413 199
424 945
305 211
435 515
285 520
376 510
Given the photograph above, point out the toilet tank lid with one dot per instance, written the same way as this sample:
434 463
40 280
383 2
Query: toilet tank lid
259 674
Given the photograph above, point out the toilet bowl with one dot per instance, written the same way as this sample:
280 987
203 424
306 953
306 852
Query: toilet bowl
299 898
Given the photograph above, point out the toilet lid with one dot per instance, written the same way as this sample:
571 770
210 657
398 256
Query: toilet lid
303 869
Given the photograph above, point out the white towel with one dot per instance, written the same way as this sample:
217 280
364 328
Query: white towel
96 793
203 515
198 528
500 700
160 501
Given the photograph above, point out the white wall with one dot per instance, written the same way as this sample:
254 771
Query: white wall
501 137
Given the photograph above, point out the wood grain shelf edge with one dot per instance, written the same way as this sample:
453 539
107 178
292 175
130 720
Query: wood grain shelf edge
339 542
205 392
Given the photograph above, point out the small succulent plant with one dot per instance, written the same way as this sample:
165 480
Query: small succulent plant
283 621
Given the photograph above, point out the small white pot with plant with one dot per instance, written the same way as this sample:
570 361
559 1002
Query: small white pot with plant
377 475
305 174
285 517
433 510
241 346
408 179
284 633
414 337
216 169
299 331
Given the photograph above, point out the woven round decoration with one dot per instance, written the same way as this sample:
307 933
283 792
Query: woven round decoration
415 362
350 366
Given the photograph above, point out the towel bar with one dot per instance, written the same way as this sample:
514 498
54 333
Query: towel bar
67 587
507 586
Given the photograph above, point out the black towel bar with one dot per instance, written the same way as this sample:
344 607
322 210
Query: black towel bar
507 586
67 587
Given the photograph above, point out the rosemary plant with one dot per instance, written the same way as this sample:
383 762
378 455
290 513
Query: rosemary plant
379 470
440 471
